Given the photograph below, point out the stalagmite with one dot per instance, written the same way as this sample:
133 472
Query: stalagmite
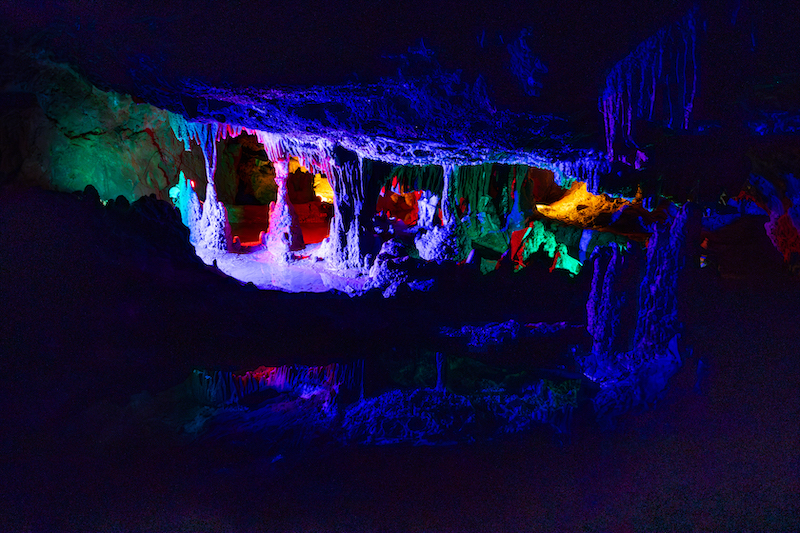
427 205
341 245
215 230
639 374
284 234
448 241
441 371
355 184
189 207
603 305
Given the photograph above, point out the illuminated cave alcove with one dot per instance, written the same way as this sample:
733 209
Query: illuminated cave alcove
245 180
312 198
409 202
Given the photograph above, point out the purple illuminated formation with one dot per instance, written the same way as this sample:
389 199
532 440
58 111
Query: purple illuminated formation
657 81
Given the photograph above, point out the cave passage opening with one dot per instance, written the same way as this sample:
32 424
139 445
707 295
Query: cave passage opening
409 201
312 197
246 183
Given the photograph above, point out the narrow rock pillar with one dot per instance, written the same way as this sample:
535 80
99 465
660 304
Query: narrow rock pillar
284 233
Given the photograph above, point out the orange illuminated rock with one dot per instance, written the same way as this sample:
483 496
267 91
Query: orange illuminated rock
582 208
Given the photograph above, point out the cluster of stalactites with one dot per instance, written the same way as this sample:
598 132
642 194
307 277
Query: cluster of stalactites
587 170
314 153
664 65
346 245
213 229
317 154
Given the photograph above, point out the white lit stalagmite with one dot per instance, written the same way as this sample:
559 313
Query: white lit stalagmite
448 241
215 229
284 233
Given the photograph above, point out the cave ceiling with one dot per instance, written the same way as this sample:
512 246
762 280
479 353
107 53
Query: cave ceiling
406 82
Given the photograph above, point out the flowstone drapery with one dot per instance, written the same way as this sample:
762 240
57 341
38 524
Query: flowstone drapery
639 375
656 81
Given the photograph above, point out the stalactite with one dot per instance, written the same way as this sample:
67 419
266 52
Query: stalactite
419 178
204 134
663 60
515 218
449 194
314 154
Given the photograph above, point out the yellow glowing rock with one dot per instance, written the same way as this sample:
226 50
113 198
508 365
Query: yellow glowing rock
294 165
580 207
323 189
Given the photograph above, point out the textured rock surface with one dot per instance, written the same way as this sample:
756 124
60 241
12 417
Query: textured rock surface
392 268
633 365
60 132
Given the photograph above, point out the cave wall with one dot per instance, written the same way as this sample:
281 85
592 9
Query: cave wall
60 132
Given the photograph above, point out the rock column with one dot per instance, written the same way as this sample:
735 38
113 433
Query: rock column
284 232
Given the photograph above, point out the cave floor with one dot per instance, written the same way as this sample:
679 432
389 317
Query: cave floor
304 273
84 336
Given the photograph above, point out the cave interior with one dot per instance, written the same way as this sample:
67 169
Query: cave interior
352 271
